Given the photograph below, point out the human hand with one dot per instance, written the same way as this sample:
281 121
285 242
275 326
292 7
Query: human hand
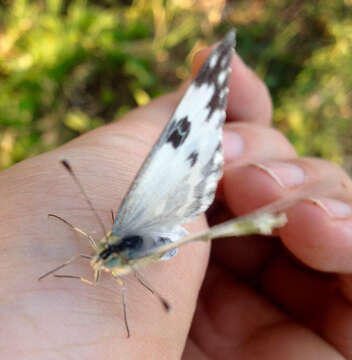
271 298
60 318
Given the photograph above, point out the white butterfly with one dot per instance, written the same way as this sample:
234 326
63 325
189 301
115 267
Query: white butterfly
176 183
178 179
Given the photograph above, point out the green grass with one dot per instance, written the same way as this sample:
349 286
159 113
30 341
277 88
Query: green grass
69 66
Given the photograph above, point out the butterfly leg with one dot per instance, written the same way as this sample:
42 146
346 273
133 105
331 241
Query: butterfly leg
68 262
113 216
123 288
78 230
163 302
86 281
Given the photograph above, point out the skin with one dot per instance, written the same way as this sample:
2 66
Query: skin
287 297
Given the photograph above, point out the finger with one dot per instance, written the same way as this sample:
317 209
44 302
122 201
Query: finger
192 351
317 232
256 143
233 321
311 297
246 142
105 161
249 99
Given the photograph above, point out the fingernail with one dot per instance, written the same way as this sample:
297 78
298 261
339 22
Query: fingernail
233 145
285 174
336 209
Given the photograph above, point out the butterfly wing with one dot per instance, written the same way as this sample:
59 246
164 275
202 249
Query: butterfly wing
260 221
178 179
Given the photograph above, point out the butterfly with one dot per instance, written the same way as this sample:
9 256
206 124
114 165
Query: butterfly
175 184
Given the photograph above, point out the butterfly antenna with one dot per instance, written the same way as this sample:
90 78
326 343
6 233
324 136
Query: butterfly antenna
74 177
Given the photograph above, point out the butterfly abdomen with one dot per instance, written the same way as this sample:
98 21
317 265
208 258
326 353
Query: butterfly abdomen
179 132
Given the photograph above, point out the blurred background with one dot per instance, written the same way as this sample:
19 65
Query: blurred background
69 66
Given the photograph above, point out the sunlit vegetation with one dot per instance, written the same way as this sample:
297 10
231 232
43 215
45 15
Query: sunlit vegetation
69 66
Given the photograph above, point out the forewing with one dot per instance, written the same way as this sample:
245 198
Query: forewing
177 181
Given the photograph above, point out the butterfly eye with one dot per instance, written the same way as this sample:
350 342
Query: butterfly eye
105 253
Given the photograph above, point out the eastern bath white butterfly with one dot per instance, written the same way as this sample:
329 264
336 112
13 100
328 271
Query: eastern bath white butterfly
176 183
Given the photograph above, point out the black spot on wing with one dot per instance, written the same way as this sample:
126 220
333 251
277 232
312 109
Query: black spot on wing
218 148
178 132
223 54
194 208
219 62
162 240
204 191
193 157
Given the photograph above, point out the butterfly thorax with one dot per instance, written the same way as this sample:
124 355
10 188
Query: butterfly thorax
114 253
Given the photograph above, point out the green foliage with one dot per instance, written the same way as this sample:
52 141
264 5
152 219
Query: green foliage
303 52
69 66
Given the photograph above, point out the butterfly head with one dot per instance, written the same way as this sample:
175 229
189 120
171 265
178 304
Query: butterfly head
114 253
